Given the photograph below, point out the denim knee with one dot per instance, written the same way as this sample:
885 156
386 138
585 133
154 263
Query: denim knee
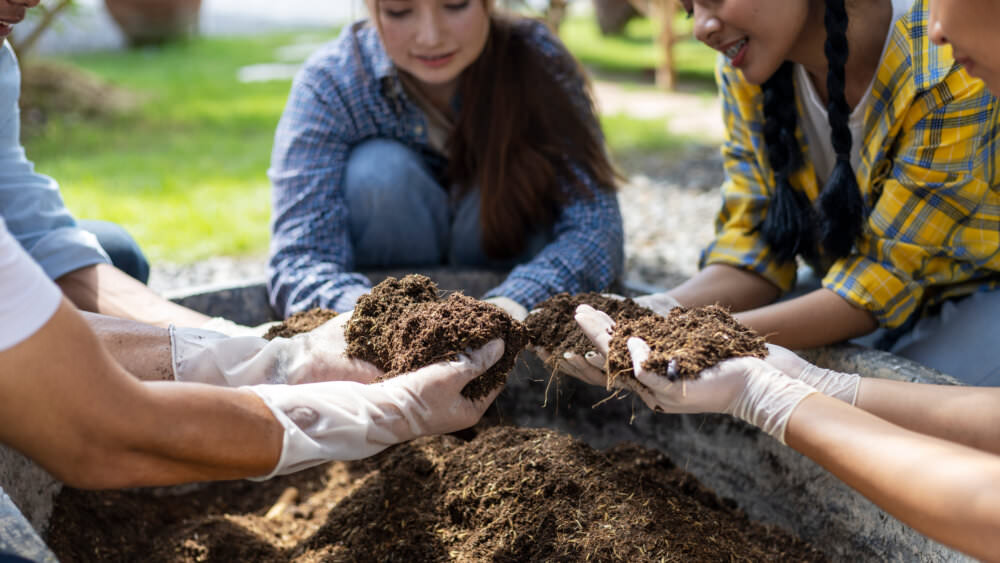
123 250
398 211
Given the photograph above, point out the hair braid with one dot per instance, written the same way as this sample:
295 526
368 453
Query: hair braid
788 226
842 208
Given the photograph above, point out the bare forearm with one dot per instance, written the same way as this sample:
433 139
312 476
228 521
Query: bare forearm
816 319
142 350
946 491
107 290
966 415
737 289
71 408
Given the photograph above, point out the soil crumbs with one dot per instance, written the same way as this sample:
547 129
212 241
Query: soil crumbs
552 326
403 325
683 343
509 494
300 322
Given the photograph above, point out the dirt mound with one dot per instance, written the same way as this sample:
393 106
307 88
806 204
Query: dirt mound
683 343
50 89
403 325
300 322
509 494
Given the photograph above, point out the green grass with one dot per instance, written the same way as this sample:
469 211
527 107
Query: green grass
185 173
635 54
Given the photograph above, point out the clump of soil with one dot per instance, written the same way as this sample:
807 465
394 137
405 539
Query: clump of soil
509 494
403 325
683 343
553 327
300 322
51 89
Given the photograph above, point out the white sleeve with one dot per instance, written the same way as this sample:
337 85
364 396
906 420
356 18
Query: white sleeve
28 298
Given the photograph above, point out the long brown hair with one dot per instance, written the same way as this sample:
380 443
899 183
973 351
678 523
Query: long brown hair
517 135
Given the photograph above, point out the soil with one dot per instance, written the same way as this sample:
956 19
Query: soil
553 328
403 325
300 322
49 89
683 343
508 494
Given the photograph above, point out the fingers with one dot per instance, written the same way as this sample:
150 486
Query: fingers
596 325
579 367
480 360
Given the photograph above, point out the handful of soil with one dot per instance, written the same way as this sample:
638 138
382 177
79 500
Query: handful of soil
300 322
403 325
683 343
553 327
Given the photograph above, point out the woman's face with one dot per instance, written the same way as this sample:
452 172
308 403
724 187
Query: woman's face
12 12
433 40
970 26
755 35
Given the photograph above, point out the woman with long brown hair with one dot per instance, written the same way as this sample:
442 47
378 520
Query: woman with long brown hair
440 132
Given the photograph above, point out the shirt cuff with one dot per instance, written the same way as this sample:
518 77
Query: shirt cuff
871 286
66 250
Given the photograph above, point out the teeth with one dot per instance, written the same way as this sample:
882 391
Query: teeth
735 49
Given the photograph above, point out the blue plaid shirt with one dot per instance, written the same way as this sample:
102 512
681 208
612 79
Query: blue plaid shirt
349 92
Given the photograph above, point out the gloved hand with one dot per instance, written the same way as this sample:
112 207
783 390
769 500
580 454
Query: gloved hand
748 388
512 307
346 420
589 368
842 386
319 355
229 328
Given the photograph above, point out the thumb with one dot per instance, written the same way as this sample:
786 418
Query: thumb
639 350
596 325
474 362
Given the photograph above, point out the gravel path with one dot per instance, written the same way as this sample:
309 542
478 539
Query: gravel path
668 218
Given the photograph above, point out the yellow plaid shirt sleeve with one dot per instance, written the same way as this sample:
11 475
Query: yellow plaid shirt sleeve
934 226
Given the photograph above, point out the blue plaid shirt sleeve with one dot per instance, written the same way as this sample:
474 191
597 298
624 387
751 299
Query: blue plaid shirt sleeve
311 251
588 250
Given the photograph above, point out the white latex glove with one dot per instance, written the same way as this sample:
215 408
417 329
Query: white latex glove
229 328
347 420
513 308
590 367
319 355
748 388
842 386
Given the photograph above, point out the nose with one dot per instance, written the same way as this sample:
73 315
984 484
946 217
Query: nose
706 25
935 25
429 33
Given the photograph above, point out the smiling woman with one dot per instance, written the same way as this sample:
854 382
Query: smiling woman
441 133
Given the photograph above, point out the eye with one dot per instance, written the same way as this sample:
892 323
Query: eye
396 14
457 7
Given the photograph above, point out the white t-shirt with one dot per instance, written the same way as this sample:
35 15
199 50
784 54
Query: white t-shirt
815 122
28 298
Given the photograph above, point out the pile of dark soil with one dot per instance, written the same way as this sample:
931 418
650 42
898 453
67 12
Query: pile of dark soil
403 325
300 322
51 89
552 326
683 343
509 494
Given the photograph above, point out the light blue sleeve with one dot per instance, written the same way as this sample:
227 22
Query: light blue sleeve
30 202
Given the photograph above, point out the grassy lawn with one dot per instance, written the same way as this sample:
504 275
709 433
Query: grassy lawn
185 172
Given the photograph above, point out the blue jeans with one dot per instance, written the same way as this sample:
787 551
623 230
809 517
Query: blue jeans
124 252
960 339
401 216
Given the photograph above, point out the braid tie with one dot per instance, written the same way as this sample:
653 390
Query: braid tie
841 205
788 226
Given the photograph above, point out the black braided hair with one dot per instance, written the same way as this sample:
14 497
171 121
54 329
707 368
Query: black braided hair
790 224
842 208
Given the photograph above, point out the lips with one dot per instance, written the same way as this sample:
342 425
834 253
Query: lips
734 48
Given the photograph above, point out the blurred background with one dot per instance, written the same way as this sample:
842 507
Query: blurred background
159 115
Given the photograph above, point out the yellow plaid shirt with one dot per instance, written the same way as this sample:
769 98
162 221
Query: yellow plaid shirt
934 228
